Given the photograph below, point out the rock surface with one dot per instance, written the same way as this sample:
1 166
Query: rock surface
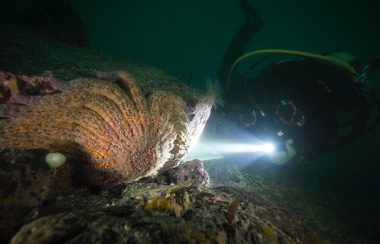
149 211
24 180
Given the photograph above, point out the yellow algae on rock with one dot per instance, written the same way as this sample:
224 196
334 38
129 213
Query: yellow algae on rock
159 205
269 233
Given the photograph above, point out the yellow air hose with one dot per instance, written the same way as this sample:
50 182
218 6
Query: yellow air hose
331 60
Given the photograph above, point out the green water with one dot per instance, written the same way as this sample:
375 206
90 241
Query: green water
188 39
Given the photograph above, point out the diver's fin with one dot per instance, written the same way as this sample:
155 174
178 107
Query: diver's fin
251 17
240 41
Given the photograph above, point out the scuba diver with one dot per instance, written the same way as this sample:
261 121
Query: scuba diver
307 103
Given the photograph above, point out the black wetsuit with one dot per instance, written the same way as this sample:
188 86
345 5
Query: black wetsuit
301 98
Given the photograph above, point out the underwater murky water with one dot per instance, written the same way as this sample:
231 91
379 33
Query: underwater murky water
308 88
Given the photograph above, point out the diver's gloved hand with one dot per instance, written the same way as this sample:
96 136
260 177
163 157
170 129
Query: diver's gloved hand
284 156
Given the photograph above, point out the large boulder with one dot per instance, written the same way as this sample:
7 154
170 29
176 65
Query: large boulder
112 130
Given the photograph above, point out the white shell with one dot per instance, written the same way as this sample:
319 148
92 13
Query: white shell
54 160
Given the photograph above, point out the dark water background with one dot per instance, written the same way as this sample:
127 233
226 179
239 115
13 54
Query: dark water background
188 39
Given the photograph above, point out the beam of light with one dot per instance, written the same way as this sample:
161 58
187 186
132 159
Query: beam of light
210 150
217 143
245 147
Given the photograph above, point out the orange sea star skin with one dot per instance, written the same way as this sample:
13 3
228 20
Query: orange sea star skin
120 132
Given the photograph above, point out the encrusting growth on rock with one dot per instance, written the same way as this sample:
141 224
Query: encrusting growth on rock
120 132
